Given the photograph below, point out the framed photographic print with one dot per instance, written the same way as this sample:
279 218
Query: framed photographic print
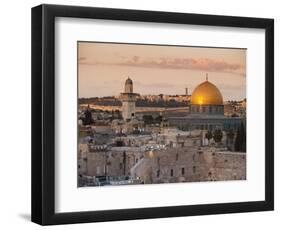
143 114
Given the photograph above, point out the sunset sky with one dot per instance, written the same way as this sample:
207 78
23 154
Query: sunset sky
104 67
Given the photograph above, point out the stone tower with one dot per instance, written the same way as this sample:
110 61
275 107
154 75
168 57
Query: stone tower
128 99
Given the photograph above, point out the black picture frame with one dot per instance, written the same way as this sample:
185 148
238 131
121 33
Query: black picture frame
43 114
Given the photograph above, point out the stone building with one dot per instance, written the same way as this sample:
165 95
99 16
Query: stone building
190 165
173 156
131 151
130 123
128 99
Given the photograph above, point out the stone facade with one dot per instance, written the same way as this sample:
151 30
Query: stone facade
202 122
188 162
128 99
191 165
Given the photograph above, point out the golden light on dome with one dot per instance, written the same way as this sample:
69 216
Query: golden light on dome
200 100
206 94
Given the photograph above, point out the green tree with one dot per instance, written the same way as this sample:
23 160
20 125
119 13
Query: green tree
209 135
148 119
217 135
158 119
243 131
240 141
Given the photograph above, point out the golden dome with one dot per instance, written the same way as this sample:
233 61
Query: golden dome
206 94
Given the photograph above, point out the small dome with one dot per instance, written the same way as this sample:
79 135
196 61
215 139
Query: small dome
206 94
129 81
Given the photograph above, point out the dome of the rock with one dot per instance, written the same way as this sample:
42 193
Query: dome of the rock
206 94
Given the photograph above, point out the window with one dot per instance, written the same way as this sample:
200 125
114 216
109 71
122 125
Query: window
210 109
158 173
133 114
204 109
172 172
120 165
177 156
182 171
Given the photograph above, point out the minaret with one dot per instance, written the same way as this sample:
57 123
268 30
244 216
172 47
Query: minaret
128 99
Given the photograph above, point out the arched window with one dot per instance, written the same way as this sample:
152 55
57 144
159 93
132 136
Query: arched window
182 171
158 173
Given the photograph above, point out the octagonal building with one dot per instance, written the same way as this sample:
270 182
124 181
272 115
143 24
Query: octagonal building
206 111
207 99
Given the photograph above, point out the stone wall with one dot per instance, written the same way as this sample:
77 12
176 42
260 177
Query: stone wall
184 164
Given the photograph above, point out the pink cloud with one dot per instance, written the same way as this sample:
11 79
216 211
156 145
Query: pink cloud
204 64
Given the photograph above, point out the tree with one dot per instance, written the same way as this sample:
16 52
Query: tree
148 119
209 135
240 141
88 119
217 135
243 131
158 119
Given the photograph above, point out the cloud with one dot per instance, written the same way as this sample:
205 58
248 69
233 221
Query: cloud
185 63
203 64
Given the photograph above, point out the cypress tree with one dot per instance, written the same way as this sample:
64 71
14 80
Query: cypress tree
209 135
217 135
243 138
240 141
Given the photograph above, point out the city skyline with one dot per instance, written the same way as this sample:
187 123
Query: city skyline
205 141
102 68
